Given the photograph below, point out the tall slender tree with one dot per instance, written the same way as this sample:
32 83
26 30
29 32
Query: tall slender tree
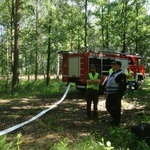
36 44
15 78
49 42
137 30
107 30
85 25
124 24
103 28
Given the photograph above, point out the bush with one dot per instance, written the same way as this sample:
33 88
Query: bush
124 139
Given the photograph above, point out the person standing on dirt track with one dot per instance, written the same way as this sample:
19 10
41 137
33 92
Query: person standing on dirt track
130 80
115 88
92 91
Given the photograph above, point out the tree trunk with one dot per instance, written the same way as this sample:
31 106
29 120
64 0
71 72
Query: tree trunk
103 39
36 47
11 52
85 25
49 50
124 26
137 31
15 78
58 66
107 32
12 35
71 31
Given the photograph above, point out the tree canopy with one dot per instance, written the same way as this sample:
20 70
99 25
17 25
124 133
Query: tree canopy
33 31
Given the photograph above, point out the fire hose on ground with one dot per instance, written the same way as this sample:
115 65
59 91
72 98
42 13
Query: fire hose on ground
37 116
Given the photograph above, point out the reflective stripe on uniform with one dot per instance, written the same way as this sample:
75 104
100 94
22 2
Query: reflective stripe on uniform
112 86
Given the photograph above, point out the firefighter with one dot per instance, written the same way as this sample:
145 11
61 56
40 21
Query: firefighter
92 91
130 80
111 69
115 88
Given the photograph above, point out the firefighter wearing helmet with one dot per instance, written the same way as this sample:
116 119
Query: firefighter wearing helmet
92 91
115 88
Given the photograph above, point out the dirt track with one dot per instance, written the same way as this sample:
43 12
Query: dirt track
67 120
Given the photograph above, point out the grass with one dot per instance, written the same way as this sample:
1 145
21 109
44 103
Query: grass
117 139
84 143
33 88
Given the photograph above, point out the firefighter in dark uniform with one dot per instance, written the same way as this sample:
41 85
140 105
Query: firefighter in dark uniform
115 88
92 91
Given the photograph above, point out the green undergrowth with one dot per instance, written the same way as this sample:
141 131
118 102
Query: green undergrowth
116 139
13 145
33 88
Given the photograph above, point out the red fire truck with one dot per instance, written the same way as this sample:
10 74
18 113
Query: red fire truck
75 66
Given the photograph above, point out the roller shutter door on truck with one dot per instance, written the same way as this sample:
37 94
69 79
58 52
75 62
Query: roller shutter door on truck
74 66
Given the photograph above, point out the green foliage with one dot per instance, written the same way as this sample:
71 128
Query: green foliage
107 22
89 143
84 143
124 139
146 118
13 145
3 143
116 139
62 145
18 141
34 88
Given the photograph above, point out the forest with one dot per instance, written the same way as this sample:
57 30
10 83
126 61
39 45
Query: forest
32 32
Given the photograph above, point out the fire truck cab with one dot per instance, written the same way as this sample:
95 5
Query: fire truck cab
137 65
76 65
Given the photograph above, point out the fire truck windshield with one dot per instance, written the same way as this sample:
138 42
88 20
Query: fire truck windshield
140 61
130 61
